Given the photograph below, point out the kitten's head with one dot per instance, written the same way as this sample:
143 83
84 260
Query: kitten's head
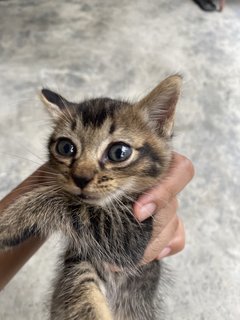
103 149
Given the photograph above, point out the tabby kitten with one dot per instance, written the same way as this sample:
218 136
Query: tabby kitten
103 154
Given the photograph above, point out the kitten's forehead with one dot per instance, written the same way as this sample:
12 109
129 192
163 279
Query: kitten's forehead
101 120
95 112
98 118
90 114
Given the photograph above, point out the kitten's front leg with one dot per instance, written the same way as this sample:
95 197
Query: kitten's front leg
36 212
77 294
136 296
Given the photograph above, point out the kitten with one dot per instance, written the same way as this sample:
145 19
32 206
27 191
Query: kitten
103 154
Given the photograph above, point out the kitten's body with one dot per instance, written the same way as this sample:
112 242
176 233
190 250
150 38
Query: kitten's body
103 154
93 265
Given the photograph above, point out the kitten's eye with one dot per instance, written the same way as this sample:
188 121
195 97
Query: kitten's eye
66 148
119 152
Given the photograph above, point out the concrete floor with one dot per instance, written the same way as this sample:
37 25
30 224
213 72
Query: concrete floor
122 49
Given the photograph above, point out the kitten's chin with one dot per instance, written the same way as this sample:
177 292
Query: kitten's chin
95 199
91 199
86 197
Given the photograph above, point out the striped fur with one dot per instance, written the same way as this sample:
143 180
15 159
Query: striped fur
89 198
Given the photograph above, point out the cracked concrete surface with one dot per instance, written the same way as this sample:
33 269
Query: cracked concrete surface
122 49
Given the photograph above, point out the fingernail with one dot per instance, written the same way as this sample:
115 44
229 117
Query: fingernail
147 210
164 253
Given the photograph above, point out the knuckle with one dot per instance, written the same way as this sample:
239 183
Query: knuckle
183 242
181 236
175 222
175 204
163 201
181 245
188 166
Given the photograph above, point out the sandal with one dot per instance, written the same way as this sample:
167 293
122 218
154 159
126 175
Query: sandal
206 5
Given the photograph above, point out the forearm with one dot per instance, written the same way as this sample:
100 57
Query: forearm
11 261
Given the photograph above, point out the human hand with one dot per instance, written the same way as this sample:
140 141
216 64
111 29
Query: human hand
11 261
168 231
38 178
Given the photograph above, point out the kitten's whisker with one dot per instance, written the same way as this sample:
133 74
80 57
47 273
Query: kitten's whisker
49 172
118 211
47 125
29 188
27 149
117 215
129 197
40 126
133 201
124 206
52 174
35 177
100 249
33 186
37 121
41 184
16 156
36 184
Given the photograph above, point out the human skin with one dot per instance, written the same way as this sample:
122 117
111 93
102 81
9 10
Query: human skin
161 202
11 261
168 231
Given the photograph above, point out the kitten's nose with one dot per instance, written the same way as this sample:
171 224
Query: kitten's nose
82 181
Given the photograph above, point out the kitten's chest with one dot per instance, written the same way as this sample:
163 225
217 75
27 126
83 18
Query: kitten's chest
112 236
99 224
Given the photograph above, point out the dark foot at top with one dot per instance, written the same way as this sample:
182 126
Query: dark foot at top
206 5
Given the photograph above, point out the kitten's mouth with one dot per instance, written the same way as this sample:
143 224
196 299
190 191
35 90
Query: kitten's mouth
88 197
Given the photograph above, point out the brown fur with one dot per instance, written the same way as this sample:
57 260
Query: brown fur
89 198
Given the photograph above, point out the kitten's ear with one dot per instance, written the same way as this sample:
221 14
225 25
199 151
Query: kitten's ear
54 102
160 104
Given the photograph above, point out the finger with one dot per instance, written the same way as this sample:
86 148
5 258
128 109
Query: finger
157 244
179 175
177 244
163 217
